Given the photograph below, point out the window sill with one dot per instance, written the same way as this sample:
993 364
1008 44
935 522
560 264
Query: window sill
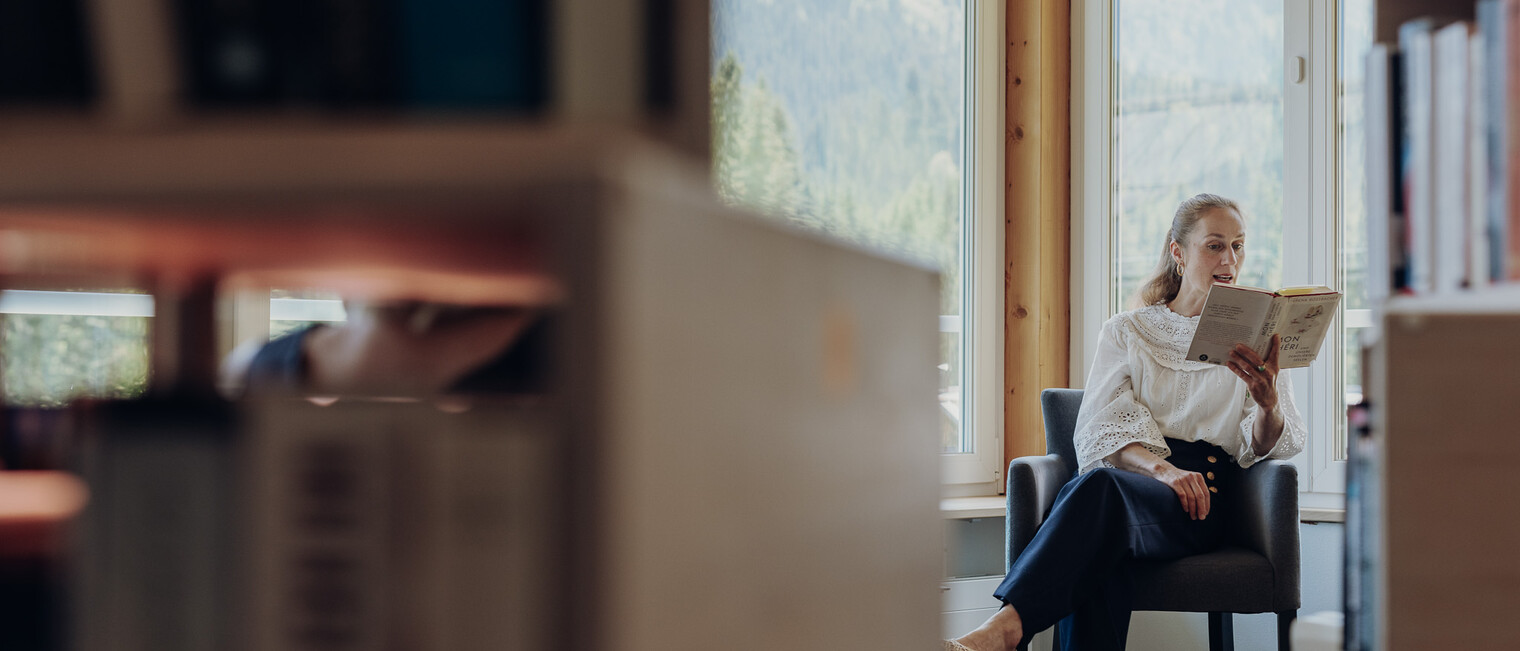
1316 515
970 508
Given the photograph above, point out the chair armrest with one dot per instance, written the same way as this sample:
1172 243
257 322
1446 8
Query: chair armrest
1032 486
1267 522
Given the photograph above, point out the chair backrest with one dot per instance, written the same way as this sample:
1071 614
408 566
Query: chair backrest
1060 409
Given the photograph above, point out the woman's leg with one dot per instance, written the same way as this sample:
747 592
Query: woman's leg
1001 632
1073 565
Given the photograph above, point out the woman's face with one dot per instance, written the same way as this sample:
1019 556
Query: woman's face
1214 251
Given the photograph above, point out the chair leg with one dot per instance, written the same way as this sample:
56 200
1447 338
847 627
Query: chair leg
1285 629
1221 632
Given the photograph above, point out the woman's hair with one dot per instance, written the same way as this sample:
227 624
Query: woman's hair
1166 280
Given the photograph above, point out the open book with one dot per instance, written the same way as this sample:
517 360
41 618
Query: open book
1235 314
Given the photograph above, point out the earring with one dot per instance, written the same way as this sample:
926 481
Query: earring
1179 270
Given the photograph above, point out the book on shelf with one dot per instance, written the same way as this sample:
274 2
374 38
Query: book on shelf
1494 43
283 524
455 54
1239 314
45 54
1416 159
1500 20
1450 147
1387 271
1442 154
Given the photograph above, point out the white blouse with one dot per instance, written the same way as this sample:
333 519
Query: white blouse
1142 388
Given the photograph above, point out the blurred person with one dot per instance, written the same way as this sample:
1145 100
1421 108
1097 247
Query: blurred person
1156 438
400 348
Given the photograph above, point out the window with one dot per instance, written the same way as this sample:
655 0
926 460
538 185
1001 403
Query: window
1198 108
290 310
1258 100
60 346
857 118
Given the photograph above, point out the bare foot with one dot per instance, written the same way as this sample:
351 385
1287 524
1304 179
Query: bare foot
1001 632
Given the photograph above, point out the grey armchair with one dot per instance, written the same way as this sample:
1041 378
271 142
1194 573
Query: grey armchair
1256 572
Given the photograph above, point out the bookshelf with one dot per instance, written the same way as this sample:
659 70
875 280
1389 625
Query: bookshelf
729 451
635 64
1430 536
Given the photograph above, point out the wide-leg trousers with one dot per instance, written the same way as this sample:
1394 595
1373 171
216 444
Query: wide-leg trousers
1073 569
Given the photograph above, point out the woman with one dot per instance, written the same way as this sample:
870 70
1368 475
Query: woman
1156 438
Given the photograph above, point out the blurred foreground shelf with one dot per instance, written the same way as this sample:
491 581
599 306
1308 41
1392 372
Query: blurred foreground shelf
729 445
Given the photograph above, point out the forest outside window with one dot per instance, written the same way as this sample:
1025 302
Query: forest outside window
857 118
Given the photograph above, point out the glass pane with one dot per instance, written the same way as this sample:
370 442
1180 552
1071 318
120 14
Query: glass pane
1199 109
848 116
291 310
1354 39
62 346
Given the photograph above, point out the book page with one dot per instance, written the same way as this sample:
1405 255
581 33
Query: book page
1302 325
1231 315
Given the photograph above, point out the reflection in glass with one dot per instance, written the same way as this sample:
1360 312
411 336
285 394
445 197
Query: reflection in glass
847 116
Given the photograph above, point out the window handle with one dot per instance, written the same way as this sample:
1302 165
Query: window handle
1300 69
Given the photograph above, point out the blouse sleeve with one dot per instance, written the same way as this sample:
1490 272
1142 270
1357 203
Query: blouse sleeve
1294 431
1110 417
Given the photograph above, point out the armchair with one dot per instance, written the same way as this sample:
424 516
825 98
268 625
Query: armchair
1257 571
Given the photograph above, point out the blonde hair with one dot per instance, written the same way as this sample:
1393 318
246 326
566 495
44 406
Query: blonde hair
1166 280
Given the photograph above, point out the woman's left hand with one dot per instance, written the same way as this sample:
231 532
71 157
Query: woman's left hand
1260 375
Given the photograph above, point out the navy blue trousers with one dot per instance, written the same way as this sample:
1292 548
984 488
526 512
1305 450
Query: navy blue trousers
1073 571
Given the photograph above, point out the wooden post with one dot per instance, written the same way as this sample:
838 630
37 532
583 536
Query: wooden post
1038 166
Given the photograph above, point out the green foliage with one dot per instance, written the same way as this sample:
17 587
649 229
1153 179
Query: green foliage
52 360
758 163
846 117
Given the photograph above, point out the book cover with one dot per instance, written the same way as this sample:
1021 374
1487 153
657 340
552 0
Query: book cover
1235 314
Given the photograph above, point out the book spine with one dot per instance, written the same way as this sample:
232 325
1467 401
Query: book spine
1493 31
44 56
1269 326
488 555
229 52
319 527
1398 211
1510 174
1448 156
157 557
1477 250
1417 176
471 54
1383 251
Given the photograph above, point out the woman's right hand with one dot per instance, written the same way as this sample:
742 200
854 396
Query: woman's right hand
1189 486
1190 489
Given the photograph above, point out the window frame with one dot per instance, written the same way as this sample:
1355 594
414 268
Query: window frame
980 472
1311 207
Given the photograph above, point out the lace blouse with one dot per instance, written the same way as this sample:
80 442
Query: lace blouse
1142 388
